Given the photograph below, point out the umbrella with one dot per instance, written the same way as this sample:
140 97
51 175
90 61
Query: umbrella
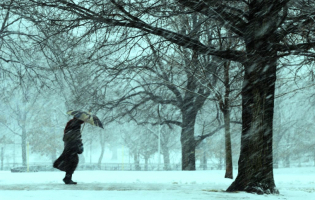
86 117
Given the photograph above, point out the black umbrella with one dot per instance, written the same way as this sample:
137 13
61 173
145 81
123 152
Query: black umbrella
86 117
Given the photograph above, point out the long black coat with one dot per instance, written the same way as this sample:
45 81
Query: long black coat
73 146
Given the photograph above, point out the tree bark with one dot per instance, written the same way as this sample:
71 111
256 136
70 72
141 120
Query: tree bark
187 140
228 146
255 165
227 120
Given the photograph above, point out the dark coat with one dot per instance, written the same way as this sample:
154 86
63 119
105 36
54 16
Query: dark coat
73 146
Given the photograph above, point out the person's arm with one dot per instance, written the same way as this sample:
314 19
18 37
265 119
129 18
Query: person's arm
80 147
80 144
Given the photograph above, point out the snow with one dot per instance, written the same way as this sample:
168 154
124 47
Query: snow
293 183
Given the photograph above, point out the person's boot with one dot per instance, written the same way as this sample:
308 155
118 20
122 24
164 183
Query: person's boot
68 180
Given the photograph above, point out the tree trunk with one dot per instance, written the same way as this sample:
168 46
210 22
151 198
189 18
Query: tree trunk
204 161
188 141
146 163
101 155
287 160
23 145
227 119
166 158
137 162
255 165
228 146
102 142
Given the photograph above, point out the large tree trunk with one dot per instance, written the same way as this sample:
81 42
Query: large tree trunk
255 165
188 140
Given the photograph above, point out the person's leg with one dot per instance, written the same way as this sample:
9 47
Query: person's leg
71 164
68 178
59 163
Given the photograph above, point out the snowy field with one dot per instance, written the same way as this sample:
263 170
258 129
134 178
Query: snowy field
294 184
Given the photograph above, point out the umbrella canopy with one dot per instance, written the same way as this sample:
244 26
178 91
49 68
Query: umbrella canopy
86 117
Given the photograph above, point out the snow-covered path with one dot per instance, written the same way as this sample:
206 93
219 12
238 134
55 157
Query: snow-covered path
294 184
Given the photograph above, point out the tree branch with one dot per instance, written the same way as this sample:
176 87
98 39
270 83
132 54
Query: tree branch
213 9
134 22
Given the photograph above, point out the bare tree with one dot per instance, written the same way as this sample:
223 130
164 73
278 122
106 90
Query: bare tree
232 75
50 129
22 111
267 29
160 81
139 142
5 34
165 134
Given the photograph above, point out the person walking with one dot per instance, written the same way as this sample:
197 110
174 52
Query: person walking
69 159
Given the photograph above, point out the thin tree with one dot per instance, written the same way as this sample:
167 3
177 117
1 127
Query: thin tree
22 111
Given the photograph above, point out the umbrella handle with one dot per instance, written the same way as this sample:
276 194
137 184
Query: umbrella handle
82 128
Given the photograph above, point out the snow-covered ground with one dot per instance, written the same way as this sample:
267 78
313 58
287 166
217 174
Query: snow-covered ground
294 184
